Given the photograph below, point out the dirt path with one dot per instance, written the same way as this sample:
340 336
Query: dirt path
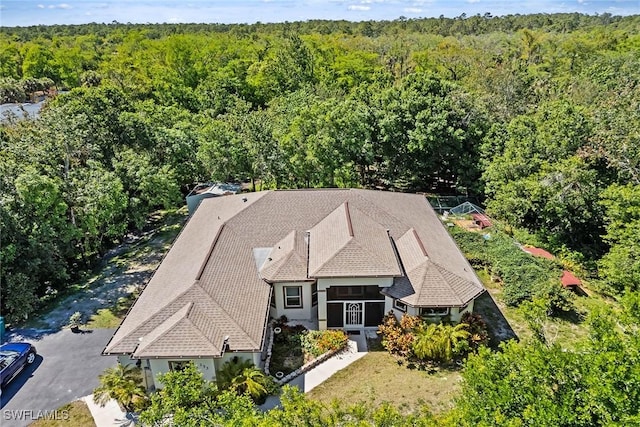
126 269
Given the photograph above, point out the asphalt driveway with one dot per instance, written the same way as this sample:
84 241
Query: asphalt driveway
66 369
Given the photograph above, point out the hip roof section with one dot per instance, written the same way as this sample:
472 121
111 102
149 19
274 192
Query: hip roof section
210 286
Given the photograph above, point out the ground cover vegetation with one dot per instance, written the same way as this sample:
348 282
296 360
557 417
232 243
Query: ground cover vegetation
536 114
428 344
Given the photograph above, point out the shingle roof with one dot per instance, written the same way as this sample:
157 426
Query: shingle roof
348 243
208 286
427 283
287 261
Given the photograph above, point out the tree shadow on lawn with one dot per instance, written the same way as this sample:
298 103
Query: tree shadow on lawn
497 325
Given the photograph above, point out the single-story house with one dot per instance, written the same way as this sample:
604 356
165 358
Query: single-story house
335 258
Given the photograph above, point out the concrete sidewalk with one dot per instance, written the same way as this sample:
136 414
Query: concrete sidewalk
109 415
356 349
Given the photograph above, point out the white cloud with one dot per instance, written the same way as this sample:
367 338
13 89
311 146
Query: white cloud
412 10
55 6
473 1
359 8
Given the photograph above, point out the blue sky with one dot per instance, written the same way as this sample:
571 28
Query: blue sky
36 12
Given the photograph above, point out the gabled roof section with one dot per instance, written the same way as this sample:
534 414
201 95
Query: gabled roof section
426 283
287 261
182 335
181 266
411 249
348 243
194 324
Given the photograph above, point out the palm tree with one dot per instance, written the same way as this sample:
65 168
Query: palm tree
230 370
426 343
439 342
243 377
252 381
451 336
123 384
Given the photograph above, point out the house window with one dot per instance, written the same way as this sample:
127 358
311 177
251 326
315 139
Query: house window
177 365
437 311
399 305
314 294
292 297
349 291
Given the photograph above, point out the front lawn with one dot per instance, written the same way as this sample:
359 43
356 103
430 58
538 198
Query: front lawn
377 377
74 414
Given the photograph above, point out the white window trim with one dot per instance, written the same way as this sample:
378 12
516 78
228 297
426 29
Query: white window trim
397 304
286 297
444 313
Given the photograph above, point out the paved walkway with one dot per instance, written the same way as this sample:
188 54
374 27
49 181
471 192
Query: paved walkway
109 415
357 348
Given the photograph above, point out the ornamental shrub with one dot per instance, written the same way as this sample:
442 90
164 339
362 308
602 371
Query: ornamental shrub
316 343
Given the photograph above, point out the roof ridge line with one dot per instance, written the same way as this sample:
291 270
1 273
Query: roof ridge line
205 261
190 305
221 306
420 244
348 214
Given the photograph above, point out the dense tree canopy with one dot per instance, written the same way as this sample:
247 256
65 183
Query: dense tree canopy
536 113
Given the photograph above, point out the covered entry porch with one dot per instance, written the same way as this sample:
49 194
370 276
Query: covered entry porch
354 306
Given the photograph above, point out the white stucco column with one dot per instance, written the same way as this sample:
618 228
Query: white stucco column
322 309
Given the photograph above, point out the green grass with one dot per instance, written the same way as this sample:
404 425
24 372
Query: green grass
74 414
111 317
377 377
165 227
565 330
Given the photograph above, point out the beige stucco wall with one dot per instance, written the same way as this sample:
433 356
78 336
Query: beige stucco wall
307 312
161 366
455 314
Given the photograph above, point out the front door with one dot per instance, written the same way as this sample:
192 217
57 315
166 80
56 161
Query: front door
353 315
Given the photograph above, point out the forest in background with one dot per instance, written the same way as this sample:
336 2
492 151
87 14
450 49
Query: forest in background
538 115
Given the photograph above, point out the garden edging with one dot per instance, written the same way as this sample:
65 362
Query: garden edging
301 370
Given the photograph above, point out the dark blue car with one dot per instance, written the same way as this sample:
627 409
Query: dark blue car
14 357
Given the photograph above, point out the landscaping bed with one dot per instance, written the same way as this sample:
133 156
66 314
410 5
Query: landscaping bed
286 353
294 346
